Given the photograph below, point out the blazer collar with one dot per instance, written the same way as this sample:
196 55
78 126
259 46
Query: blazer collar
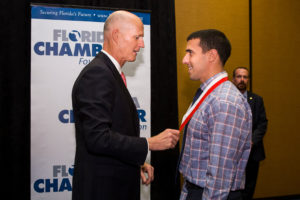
114 61
116 74
250 98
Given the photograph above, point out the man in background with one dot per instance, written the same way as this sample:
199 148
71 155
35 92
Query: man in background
110 155
259 128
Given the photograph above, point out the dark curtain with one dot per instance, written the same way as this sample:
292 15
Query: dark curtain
15 91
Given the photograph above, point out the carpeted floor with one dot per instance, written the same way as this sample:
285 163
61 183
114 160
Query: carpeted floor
292 197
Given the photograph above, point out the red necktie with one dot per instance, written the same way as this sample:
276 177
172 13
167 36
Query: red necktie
124 78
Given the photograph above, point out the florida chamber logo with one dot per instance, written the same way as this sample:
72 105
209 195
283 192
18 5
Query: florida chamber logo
76 43
66 116
60 182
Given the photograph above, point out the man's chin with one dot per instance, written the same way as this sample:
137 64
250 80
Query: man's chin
131 59
194 78
242 89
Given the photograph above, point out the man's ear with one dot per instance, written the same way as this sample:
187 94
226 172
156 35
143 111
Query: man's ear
212 55
115 35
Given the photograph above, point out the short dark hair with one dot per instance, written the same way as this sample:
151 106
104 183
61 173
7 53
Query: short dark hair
213 39
240 67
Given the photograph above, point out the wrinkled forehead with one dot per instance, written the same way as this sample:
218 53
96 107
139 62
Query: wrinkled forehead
241 72
131 26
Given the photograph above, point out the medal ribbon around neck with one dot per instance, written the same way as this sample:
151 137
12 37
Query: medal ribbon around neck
192 109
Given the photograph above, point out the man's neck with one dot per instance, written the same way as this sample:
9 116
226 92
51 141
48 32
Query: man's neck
114 61
111 52
242 91
211 74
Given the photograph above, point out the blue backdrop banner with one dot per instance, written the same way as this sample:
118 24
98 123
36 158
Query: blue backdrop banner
64 40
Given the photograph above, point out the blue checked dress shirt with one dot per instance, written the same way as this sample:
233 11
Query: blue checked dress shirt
197 95
218 142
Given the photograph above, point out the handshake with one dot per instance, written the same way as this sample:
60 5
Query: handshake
164 140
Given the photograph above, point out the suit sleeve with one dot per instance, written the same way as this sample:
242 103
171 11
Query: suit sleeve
94 100
261 123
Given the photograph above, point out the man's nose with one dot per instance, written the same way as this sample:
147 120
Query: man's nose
243 79
142 44
185 60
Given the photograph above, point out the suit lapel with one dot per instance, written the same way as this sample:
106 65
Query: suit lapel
115 73
250 100
124 89
111 66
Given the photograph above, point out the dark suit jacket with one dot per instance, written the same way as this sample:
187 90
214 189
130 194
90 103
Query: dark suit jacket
109 151
259 126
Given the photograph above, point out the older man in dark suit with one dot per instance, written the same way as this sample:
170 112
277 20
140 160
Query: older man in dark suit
110 155
259 128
